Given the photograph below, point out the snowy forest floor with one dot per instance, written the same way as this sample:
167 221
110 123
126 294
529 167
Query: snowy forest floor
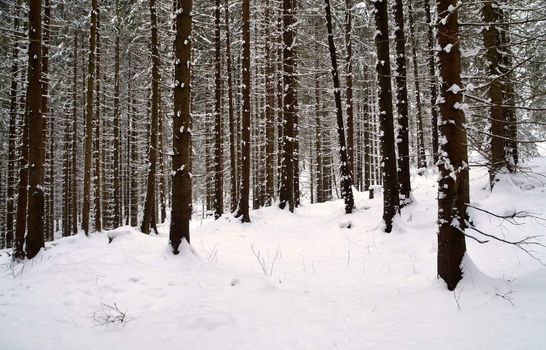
291 281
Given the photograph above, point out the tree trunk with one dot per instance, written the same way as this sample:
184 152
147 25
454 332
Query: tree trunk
148 220
181 178
349 89
218 124
346 180
318 141
402 105
433 82
49 234
22 193
296 145
232 123
66 175
89 118
12 152
243 207
162 178
117 130
74 184
289 107
388 155
510 117
35 216
367 125
269 110
491 40
98 137
280 97
453 191
47 124
132 143
422 163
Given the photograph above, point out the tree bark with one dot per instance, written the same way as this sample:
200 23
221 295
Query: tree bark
289 109
318 141
402 105
232 123
98 137
47 124
269 110
148 220
243 207
388 153
66 174
491 40
12 151
368 147
117 130
349 88
433 82
132 143
422 161
161 152
181 178
346 180
89 118
34 240
74 181
453 190
218 123
510 117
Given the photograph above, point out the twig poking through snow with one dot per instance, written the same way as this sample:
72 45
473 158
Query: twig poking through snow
261 260
111 315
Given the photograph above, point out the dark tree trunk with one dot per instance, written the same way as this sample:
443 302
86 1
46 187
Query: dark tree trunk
349 89
388 154
367 125
161 152
12 152
453 191
318 141
402 105
35 216
269 110
510 117
117 132
22 193
346 180
243 207
148 220
433 82
47 124
218 124
280 98
491 40
422 161
74 181
98 137
289 108
132 143
49 234
232 123
181 180
66 175
296 145
89 118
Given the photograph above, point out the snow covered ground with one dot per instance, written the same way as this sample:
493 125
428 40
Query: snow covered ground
291 281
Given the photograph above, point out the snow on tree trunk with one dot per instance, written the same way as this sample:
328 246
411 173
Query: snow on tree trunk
388 153
453 190
181 177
